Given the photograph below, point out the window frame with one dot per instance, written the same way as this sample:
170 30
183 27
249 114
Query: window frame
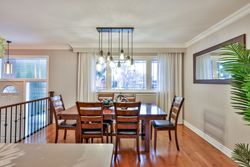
30 79
149 59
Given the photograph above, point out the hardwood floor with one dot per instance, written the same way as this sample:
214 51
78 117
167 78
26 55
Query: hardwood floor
194 151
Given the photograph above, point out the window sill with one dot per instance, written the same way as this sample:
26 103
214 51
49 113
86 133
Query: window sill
128 91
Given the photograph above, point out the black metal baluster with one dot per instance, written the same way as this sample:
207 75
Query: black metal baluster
39 113
20 122
33 119
10 124
15 123
5 126
34 116
24 120
42 104
46 110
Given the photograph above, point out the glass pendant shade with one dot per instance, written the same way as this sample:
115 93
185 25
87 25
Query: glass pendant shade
8 67
128 61
98 67
101 59
122 55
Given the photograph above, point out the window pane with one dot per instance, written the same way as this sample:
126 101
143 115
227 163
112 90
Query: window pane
35 90
126 78
101 79
154 74
34 68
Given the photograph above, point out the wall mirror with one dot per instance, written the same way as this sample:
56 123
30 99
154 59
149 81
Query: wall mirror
207 65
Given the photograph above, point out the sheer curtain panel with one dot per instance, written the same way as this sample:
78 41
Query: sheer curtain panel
86 77
170 78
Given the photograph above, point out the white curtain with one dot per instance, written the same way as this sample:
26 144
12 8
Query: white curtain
86 77
169 78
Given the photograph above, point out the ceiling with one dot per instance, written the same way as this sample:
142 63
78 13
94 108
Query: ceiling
64 22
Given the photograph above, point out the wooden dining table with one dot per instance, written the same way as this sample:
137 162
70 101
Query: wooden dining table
148 112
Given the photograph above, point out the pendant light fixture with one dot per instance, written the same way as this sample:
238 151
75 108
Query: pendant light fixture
108 60
8 67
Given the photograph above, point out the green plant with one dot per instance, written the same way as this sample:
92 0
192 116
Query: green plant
2 47
237 63
241 154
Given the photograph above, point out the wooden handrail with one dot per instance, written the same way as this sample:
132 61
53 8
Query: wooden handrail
21 103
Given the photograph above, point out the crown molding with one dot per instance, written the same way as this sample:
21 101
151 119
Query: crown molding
41 47
221 24
136 45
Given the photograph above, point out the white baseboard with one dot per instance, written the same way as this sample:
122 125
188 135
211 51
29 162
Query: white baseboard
209 139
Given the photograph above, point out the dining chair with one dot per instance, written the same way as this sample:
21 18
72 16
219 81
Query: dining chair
57 106
101 98
105 96
170 124
127 123
91 117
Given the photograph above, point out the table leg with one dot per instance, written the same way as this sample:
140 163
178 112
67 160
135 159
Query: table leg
147 135
78 132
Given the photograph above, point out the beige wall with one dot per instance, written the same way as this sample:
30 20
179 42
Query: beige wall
62 71
207 106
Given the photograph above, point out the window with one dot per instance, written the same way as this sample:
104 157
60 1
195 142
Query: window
9 89
154 74
142 77
127 78
33 70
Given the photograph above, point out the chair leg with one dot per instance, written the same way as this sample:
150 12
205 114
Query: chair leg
56 136
116 146
151 131
155 138
111 132
107 136
138 148
176 140
65 134
169 134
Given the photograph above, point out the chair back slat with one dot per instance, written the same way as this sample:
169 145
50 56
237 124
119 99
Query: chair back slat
91 118
127 126
126 119
91 126
175 109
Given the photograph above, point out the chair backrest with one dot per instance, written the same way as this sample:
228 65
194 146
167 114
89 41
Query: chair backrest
57 105
127 115
175 109
91 115
104 96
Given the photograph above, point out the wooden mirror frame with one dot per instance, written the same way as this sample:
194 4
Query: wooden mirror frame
239 39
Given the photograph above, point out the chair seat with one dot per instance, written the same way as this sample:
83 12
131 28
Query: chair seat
162 124
67 123
94 131
127 132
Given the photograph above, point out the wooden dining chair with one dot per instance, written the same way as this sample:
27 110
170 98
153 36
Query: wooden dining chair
101 98
127 123
91 117
170 124
105 96
57 106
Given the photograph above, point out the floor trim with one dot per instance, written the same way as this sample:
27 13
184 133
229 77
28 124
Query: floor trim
209 139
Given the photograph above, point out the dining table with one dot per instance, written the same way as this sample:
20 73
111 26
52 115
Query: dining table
148 112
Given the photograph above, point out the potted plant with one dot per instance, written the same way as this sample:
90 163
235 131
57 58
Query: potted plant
236 61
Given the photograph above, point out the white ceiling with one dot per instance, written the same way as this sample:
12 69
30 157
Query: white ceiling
63 22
